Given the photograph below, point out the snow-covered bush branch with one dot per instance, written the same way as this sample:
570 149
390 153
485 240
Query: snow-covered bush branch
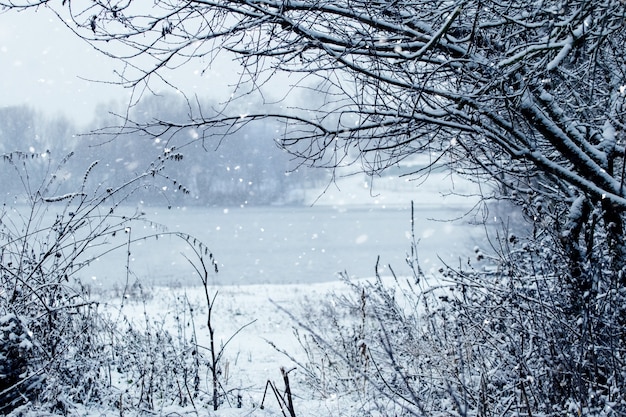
513 87
56 345
469 342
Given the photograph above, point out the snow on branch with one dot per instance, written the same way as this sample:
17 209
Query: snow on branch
68 196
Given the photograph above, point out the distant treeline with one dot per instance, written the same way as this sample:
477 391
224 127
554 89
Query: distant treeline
210 168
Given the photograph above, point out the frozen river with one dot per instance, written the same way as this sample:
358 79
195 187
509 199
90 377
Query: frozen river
255 245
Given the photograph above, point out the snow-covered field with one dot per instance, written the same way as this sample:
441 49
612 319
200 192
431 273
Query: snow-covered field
259 318
254 324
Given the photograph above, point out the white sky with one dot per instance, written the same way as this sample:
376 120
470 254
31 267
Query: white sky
46 66
42 62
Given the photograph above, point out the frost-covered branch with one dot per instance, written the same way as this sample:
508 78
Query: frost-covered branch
534 82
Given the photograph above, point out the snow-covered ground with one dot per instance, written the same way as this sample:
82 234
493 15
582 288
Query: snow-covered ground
261 315
255 325
441 189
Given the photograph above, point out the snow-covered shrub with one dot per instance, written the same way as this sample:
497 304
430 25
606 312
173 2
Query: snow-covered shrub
514 339
152 367
19 381
38 289
54 340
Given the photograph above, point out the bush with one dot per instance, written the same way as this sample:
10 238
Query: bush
18 382
55 343
508 339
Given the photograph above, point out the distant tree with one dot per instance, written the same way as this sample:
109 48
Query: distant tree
45 140
21 128
245 169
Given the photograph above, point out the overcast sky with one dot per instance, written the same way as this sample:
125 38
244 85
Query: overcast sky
46 66
42 65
